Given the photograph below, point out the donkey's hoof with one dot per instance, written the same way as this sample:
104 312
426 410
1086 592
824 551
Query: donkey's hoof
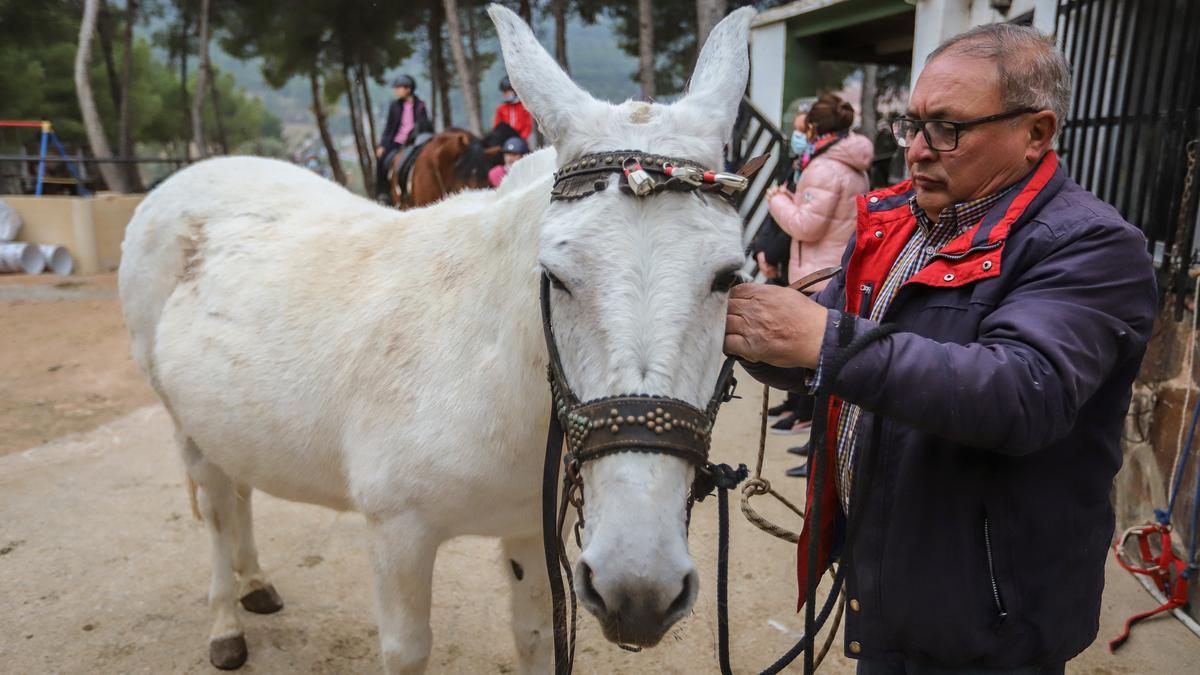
262 600
228 653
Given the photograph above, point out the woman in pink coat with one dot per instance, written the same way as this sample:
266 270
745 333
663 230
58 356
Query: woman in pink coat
820 214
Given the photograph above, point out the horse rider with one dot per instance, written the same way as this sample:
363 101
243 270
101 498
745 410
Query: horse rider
407 120
988 422
513 149
512 112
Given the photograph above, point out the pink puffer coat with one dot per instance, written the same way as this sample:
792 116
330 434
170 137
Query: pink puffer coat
820 216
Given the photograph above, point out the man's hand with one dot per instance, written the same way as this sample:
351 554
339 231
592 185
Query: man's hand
378 152
774 325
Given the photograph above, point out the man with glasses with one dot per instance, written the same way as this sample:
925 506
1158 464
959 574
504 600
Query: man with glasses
1022 306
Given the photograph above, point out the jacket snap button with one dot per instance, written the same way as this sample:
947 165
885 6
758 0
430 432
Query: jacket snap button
855 647
873 199
879 234
854 604
987 265
948 277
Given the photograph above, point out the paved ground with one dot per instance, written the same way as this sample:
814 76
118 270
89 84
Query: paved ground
103 570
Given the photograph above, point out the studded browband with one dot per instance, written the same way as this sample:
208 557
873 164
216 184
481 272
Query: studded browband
630 423
646 174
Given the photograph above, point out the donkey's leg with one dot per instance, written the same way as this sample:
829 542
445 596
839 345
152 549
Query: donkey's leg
403 551
257 594
216 497
525 565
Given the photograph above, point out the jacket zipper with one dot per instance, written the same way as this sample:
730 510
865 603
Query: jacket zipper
864 305
1001 613
960 256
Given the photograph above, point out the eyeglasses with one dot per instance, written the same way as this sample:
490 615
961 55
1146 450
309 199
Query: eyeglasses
942 135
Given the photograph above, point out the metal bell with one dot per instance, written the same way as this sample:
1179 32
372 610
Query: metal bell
639 181
732 181
686 174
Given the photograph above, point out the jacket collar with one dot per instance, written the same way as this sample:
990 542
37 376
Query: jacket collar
885 223
1000 218
888 205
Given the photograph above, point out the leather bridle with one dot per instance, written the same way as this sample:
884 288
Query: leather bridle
629 422
644 423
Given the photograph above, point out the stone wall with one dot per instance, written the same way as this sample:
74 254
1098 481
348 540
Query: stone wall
1151 434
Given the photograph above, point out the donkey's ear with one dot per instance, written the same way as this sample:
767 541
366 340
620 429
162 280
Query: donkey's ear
547 92
719 79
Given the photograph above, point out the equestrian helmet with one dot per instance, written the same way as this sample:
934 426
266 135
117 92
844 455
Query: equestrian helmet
404 81
505 85
516 145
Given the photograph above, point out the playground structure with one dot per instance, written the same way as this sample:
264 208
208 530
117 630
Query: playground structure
47 135
34 173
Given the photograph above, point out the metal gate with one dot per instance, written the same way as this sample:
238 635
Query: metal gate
753 135
1135 106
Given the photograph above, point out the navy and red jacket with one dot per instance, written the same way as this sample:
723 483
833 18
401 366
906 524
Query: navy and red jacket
987 522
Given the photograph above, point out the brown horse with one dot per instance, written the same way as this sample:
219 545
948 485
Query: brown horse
451 161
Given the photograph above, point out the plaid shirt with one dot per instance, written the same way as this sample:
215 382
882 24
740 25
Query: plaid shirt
927 239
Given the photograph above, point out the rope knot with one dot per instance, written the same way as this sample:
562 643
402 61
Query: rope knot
756 486
727 477
1162 516
714 476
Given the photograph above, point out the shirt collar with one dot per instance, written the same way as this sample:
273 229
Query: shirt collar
957 217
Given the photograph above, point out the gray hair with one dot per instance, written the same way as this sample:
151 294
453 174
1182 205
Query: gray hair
1033 71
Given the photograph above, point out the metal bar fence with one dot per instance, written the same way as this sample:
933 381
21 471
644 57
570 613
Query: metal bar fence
1135 105
755 134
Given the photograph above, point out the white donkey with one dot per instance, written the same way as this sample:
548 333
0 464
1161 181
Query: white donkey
320 348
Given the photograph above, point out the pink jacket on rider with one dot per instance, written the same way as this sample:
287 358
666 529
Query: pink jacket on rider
820 215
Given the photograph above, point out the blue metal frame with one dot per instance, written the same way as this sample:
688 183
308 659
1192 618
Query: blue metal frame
48 135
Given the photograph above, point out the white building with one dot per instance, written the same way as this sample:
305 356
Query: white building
787 41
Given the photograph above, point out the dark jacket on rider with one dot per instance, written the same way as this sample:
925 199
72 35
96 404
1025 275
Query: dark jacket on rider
421 122
987 522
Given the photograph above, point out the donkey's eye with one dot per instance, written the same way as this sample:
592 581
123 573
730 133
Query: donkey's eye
725 280
557 283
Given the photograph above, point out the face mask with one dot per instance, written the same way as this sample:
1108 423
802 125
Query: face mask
799 143
510 99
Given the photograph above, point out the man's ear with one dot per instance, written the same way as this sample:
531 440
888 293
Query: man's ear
1042 128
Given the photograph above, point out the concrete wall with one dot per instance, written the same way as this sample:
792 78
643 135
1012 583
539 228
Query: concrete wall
768 50
90 228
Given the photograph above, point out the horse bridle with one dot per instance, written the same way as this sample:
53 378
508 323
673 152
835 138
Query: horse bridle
636 422
630 422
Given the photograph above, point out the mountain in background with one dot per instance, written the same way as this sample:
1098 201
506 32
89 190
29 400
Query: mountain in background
597 64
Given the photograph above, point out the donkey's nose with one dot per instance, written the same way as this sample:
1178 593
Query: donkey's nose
634 608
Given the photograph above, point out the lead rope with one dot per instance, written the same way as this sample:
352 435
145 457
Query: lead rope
761 486
564 651
867 460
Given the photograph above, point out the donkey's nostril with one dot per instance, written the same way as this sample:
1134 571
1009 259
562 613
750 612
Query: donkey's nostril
588 594
683 601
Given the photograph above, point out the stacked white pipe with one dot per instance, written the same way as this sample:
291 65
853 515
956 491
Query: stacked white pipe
19 256
58 259
10 222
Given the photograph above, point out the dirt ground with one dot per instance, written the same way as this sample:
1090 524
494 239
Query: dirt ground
65 364
103 570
